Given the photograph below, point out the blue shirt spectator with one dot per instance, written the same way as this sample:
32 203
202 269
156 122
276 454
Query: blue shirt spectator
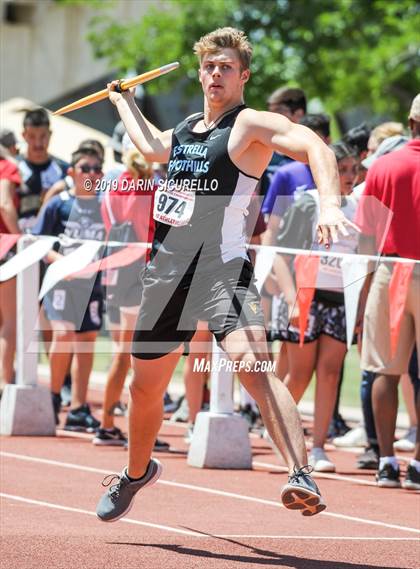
290 179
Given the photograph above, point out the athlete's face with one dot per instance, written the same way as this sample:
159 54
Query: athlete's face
348 169
221 76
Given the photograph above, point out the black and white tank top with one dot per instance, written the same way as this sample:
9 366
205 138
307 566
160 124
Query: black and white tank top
212 229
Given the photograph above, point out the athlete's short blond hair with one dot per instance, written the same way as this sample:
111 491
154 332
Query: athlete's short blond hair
223 38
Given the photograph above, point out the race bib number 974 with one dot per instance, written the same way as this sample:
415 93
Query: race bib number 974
173 207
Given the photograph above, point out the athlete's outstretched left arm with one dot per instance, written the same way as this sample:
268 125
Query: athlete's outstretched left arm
300 143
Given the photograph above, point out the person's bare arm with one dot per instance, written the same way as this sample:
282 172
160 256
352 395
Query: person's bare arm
153 143
286 284
7 207
52 256
55 189
272 230
277 133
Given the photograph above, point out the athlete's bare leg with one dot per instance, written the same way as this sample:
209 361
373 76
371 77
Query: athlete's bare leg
145 408
282 362
278 410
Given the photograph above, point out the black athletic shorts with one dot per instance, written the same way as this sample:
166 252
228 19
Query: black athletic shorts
226 298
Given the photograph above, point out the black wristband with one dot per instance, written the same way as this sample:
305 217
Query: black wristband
117 87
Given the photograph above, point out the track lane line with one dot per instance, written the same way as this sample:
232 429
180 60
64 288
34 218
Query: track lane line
87 512
197 534
326 475
265 465
332 476
208 491
316 537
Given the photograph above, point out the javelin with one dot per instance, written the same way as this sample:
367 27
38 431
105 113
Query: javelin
124 85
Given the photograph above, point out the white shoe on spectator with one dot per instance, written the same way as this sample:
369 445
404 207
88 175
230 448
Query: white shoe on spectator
182 414
408 441
188 437
320 461
354 438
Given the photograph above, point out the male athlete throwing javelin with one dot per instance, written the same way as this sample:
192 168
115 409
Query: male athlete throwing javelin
199 268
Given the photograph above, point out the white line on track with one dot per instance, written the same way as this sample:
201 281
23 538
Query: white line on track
330 476
208 491
80 511
317 537
264 465
204 535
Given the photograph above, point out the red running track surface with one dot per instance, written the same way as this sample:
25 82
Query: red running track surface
193 518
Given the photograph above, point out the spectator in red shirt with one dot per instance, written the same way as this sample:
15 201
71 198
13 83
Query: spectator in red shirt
129 206
132 201
9 143
9 182
394 180
9 203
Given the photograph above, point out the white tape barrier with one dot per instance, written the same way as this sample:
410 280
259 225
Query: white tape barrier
354 266
42 244
66 266
264 261
26 257
351 256
263 264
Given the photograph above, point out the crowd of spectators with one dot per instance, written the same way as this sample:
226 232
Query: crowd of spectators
379 170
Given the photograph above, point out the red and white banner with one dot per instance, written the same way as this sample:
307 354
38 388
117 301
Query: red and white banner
263 264
24 259
121 258
68 265
7 240
306 268
398 290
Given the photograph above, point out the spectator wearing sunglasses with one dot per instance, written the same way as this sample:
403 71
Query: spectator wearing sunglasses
74 306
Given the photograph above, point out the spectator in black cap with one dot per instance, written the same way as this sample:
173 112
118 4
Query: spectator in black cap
291 102
358 137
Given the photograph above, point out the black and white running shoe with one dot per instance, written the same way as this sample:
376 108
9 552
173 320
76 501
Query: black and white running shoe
388 476
81 420
412 478
109 437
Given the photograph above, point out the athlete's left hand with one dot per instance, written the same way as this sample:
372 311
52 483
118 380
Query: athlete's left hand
331 222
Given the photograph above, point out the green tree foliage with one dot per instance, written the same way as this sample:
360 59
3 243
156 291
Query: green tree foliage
346 52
